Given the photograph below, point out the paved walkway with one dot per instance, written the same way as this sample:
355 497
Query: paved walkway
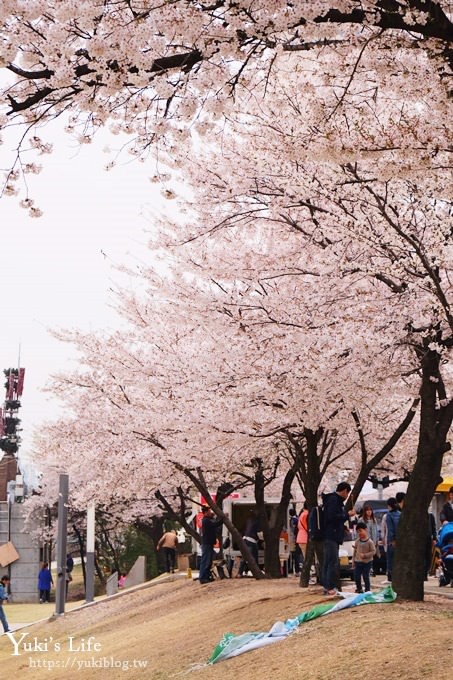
22 615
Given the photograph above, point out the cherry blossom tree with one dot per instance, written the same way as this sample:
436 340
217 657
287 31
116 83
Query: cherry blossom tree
154 69
340 184
387 232
124 454
205 387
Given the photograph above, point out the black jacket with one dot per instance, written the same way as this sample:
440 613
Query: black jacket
209 531
334 517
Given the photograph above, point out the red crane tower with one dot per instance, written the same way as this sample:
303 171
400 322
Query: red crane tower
9 427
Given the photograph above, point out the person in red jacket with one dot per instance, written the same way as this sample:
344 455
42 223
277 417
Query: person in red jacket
302 531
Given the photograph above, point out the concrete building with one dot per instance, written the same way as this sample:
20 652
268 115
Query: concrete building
20 553
23 571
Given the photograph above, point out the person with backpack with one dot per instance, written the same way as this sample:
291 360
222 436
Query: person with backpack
334 518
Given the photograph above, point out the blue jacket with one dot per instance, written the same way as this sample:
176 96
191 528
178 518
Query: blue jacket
3 593
44 579
334 517
392 519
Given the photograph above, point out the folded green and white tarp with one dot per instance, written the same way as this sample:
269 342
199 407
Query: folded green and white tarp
233 645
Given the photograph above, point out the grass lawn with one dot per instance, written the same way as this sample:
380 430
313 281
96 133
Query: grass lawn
169 628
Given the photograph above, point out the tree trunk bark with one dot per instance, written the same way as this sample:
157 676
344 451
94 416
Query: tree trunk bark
310 475
409 564
272 566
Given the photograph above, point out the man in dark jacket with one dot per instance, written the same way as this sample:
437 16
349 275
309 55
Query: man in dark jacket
208 538
334 518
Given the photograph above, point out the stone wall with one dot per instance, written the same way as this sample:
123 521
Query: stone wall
24 571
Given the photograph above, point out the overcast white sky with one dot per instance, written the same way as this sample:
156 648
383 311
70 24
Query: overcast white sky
52 271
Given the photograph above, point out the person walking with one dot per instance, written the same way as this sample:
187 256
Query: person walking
4 581
335 517
45 582
169 542
209 528
392 519
362 557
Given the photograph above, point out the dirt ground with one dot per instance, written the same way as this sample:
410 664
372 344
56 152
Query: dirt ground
170 630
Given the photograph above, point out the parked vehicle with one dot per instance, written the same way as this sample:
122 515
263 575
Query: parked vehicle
345 552
238 509
375 503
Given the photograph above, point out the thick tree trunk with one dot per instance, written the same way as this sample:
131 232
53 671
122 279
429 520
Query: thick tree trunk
310 475
272 531
409 566
272 566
